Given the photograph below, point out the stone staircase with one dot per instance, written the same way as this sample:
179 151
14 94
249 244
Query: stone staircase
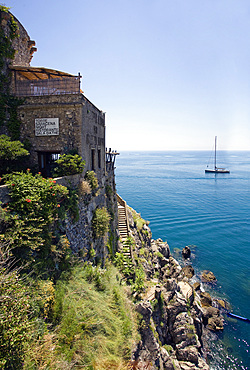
122 222
124 229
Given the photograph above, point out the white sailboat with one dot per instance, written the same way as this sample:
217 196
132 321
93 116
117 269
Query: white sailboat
216 169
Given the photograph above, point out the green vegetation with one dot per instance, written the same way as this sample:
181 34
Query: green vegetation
132 271
15 316
12 154
159 254
30 220
100 222
55 311
84 320
90 176
69 164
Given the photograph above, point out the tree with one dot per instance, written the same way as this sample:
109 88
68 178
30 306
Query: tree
69 164
11 154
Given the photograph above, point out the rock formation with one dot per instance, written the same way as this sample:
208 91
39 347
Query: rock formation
173 314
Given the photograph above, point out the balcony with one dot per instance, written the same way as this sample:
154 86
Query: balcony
35 81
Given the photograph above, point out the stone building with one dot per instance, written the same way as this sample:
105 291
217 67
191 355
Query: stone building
56 116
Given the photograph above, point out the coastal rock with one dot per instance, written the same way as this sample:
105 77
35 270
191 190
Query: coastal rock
197 286
221 303
212 319
190 366
145 309
208 276
171 285
206 299
215 324
171 326
183 331
188 271
189 353
174 268
164 249
175 307
186 252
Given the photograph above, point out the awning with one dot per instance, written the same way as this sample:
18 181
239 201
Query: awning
40 73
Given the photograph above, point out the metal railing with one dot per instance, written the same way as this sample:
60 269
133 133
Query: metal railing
53 86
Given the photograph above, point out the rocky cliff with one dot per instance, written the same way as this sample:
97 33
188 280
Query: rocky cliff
173 317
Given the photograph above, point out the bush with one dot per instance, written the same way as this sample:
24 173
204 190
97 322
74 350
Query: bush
100 222
69 164
90 176
15 324
35 203
84 188
11 154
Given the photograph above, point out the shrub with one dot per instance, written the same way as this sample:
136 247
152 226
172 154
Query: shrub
90 176
139 281
69 164
11 153
15 324
100 222
34 207
84 188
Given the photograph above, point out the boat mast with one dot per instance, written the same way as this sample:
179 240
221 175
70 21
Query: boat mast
215 153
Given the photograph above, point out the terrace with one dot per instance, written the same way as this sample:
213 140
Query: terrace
38 81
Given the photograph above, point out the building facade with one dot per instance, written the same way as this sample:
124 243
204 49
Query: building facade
56 117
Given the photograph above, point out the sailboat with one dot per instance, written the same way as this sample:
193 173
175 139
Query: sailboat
216 169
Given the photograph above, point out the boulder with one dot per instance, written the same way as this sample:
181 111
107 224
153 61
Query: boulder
212 319
188 271
215 323
163 261
174 308
164 249
145 309
189 353
197 286
171 285
186 252
208 277
221 303
206 299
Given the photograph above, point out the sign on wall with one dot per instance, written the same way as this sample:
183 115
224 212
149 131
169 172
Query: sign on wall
46 126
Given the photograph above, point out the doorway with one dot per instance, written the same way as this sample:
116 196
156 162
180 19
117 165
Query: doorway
46 162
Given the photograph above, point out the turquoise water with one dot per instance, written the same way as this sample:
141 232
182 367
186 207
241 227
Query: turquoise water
185 206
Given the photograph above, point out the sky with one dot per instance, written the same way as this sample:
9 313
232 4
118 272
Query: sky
170 74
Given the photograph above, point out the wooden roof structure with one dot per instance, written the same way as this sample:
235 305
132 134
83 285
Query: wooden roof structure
40 73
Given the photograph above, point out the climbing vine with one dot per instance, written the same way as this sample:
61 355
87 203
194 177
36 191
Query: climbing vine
8 103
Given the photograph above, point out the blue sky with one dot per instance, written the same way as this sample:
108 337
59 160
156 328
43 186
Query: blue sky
170 74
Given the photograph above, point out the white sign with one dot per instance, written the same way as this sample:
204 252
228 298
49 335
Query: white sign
46 126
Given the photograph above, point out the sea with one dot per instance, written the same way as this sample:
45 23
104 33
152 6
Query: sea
211 214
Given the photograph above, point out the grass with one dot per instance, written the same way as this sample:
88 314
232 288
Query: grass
93 324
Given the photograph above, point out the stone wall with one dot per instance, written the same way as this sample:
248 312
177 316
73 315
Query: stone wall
81 128
93 138
68 108
22 44
79 233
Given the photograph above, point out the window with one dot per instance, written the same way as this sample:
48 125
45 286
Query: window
99 158
93 159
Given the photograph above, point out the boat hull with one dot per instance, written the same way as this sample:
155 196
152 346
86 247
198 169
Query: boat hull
218 170
229 314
